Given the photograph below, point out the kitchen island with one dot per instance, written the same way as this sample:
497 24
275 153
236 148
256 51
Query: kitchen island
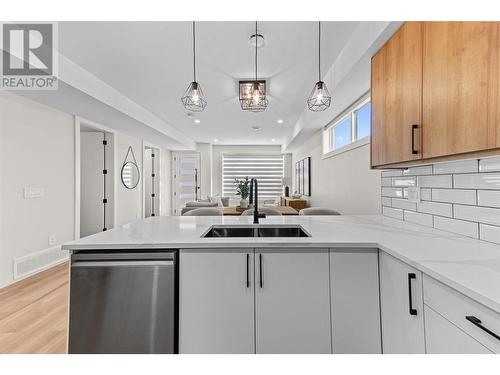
356 284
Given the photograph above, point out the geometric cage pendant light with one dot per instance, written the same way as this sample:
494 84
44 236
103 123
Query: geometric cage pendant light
193 98
253 94
320 98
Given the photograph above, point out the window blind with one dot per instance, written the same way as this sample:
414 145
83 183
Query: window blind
267 169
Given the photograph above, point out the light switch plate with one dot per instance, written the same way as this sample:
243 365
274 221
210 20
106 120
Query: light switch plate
414 194
52 240
33 192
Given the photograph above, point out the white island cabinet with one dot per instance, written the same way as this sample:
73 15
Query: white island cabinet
355 301
402 309
216 302
292 301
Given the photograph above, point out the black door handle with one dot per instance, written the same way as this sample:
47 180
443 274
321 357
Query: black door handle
413 128
248 270
411 276
477 322
261 282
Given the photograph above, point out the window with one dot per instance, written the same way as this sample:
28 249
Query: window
352 125
267 169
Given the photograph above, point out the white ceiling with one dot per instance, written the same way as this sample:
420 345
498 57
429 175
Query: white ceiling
151 64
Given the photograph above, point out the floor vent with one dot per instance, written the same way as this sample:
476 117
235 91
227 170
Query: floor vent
38 261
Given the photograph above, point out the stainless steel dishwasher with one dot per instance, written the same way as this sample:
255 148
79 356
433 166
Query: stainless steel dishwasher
123 302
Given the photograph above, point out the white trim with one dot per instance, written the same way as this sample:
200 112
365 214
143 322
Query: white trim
351 146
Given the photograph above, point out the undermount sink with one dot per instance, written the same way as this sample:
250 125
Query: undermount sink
260 231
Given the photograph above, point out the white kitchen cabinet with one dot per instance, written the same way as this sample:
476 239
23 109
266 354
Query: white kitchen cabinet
401 306
216 302
292 301
443 337
355 301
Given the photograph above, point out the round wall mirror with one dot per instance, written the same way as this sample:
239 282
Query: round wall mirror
130 175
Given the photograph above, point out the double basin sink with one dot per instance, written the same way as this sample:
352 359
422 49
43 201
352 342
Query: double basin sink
257 231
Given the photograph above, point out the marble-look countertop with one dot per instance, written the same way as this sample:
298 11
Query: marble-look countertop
470 266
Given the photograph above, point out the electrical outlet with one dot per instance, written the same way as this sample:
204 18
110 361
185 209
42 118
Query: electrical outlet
52 240
414 194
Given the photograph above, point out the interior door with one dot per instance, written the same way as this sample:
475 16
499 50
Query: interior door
461 83
396 97
292 309
216 301
402 306
186 179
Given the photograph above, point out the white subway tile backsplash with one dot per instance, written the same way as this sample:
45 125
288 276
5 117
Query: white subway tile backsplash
392 173
479 214
386 202
489 164
461 197
434 208
462 166
418 218
393 212
439 181
477 181
404 181
386 181
489 233
489 198
418 171
403 203
426 194
465 228
392 192
454 196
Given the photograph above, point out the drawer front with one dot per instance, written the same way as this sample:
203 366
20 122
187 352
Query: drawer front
455 307
442 337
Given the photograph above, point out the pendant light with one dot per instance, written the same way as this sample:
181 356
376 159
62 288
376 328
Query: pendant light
253 95
193 98
320 98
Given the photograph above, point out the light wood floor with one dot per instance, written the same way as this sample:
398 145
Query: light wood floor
34 313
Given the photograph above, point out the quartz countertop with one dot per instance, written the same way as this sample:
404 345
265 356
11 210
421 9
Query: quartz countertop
470 266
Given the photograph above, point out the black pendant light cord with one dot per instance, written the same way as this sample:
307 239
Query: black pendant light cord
319 50
194 52
256 37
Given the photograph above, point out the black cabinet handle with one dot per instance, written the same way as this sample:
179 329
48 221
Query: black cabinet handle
477 322
413 128
411 276
261 282
248 270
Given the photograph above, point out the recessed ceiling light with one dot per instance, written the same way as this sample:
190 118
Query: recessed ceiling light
280 121
216 140
197 121
256 128
261 41
273 140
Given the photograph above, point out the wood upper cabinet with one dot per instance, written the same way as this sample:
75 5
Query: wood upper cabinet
443 77
461 102
396 96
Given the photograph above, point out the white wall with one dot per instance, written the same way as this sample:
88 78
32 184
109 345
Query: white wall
128 201
343 182
37 150
218 151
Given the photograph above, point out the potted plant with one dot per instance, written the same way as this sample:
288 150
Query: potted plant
243 190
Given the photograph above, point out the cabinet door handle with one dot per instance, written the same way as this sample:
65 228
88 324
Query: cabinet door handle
413 128
477 322
411 276
248 270
261 281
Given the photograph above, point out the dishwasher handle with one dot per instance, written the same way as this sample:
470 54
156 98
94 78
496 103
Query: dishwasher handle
123 263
